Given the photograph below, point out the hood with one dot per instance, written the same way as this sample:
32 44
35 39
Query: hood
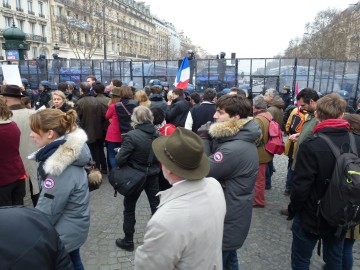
146 127
73 152
250 131
277 102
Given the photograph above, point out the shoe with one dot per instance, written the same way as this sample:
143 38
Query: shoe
287 192
267 187
284 212
126 245
258 206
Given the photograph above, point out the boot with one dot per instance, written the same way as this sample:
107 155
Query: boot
127 243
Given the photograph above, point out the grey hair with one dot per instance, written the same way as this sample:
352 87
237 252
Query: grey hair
141 115
259 102
272 92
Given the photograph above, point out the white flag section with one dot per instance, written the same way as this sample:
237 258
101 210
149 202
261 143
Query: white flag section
183 75
11 74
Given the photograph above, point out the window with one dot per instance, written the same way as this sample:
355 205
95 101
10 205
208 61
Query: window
18 4
21 24
30 7
34 52
43 30
32 28
8 22
40 9
61 34
58 11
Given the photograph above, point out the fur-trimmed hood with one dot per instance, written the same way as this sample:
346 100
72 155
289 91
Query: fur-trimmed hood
72 152
250 131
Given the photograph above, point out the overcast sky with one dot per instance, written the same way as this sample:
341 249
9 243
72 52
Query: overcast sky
251 28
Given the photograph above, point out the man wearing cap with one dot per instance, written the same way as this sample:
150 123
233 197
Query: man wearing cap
12 96
186 231
286 96
234 162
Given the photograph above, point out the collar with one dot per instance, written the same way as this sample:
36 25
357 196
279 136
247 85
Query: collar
5 121
181 188
16 107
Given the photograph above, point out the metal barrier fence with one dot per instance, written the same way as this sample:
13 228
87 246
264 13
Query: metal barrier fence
252 74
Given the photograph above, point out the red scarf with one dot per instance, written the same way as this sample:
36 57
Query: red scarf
332 123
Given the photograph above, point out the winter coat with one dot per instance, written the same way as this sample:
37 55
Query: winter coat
135 149
234 162
113 133
158 101
124 117
91 113
43 99
264 156
287 98
103 99
195 210
276 109
27 146
29 241
64 196
314 167
177 112
199 115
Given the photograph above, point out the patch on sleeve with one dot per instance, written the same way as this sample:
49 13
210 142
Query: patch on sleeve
218 157
49 183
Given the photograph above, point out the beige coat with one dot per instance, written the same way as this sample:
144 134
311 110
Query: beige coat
186 231
27 145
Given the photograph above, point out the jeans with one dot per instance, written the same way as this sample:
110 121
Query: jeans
303 245
111 155
269 173
289 179
151 188
76 260
230 260
348 259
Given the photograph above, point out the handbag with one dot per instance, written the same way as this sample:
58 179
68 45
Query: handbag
94 175
128 180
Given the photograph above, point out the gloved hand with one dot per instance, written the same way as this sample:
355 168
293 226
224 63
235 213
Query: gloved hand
203 131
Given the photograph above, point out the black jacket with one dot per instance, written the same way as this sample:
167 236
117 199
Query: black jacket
177 112
136 147
313 169
124 116
43 100
157 101
29 241
202 114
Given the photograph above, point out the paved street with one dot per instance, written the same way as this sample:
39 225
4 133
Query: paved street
267 247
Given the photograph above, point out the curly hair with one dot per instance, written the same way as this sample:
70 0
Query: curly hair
5 112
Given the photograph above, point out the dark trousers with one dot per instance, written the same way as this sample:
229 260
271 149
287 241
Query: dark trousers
163 183
269 173
13 194
151 188
97 153
76 260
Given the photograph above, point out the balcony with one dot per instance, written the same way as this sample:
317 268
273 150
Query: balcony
6 5
31 12
19 9
41 15
36 38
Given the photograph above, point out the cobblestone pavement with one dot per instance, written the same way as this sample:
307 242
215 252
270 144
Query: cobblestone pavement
267 246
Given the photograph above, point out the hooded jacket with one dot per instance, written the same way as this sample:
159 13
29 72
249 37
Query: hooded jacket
276 110
64 196
234 162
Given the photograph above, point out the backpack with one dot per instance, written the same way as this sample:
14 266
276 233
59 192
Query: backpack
287 113
297 121
275 143
340 205
124 110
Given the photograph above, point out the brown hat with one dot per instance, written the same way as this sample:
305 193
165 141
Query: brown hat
12 90
183 154
116 91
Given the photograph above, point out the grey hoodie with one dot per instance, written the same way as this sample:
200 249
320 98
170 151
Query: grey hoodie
64 196
234 162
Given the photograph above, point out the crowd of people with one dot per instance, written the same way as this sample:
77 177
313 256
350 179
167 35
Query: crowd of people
206 164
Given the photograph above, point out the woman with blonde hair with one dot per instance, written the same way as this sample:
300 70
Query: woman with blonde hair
60 102
64 195
142 98
113 133
12 171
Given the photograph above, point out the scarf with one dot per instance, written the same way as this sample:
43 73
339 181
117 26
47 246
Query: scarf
45 152
332 123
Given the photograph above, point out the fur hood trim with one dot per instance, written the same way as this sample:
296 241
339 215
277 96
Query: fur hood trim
228 128
67 153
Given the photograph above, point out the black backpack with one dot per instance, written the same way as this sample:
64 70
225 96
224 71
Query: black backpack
340 206
287 113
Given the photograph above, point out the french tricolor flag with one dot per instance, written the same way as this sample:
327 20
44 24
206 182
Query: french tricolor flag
183 75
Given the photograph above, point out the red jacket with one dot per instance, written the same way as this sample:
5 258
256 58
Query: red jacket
113 133
11 165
